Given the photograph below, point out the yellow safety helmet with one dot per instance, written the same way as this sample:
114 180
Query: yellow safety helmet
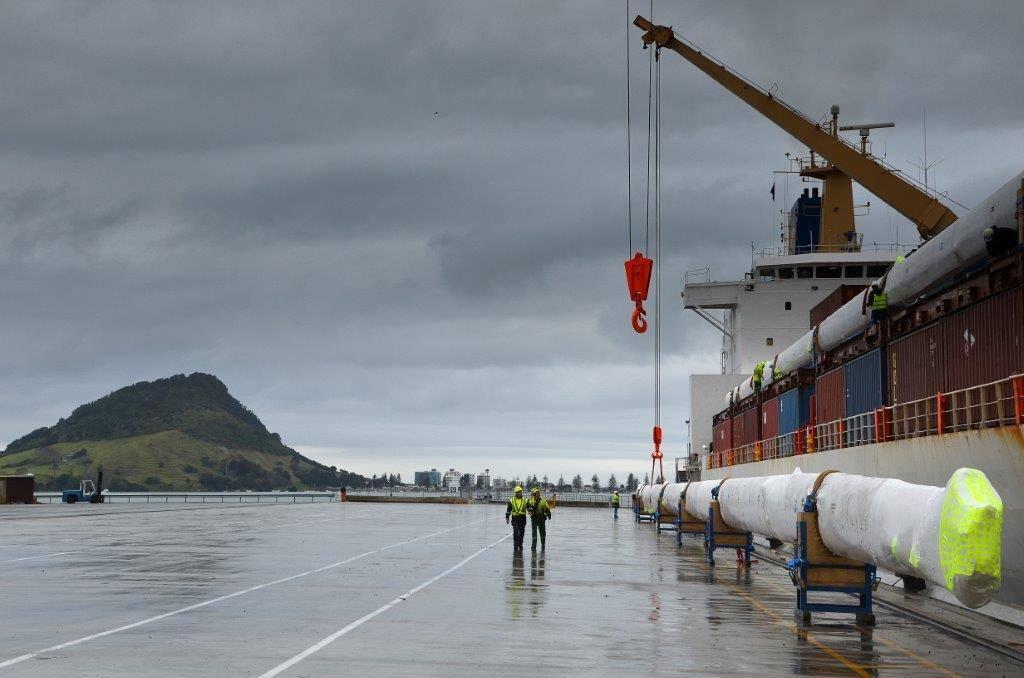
535 490
519 488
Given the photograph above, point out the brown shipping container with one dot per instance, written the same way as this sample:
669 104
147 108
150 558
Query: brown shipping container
737 430
917 365
830 396
983 343
833 302
722 435
770 419
748 428
17 489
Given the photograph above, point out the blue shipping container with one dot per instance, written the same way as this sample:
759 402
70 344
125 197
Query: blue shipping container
865 390
794 409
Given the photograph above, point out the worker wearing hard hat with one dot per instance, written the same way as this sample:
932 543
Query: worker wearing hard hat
615 504
539 512
878 302
517 511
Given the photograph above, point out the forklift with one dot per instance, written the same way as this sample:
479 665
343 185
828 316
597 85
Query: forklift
85 492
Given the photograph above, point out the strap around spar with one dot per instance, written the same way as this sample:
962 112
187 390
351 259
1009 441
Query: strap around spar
818 481
717 488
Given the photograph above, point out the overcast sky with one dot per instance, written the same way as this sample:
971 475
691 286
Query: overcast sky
396 229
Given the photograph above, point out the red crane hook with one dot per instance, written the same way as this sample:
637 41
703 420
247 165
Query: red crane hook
638 279
640 318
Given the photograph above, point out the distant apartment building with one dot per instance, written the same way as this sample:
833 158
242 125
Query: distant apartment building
483 480
431 478
499 483
451 479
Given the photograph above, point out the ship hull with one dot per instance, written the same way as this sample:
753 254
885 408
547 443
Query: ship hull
999 452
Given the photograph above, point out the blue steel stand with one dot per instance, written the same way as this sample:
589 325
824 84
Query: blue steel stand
663 525
685 523
659 524
641 517
814 568
718 535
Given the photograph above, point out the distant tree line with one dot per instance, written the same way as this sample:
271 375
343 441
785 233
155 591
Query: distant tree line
576 484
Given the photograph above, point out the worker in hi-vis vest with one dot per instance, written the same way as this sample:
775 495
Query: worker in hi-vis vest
878 301
615 504
758 375
539 511
517 510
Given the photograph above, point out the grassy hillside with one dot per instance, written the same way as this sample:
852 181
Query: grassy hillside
180 433
169 460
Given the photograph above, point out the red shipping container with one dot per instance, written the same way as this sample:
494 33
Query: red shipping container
770 419
722 436
830 396
983 343
917 365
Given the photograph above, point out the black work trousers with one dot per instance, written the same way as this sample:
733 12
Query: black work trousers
518 531
538 526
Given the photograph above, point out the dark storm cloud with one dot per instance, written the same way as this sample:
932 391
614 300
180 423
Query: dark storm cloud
395 229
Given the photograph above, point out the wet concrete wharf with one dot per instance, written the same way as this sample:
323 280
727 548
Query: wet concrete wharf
413 590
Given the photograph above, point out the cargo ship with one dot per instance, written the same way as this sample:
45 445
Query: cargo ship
934 387
875 360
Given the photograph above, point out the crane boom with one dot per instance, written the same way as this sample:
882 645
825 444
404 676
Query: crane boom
928 214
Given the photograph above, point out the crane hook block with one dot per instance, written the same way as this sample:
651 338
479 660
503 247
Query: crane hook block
657 443
638 279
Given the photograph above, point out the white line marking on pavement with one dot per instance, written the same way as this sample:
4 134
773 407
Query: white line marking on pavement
45 555
380 610
36 543
205 603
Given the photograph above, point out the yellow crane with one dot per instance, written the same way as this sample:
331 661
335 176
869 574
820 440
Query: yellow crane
843 160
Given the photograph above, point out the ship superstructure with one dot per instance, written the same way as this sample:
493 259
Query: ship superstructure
766 311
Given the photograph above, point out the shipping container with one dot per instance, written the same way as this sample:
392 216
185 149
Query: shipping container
983 342
722 436
864 383
830 396
737 430
751 428
917 365
794 409
833 302
770 419
865 393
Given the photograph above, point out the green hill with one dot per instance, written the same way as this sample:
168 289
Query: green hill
179 433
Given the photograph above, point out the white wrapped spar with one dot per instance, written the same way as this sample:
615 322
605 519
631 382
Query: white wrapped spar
950 536
648 496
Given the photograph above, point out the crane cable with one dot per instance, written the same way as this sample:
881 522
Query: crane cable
638 265
654 129
657 455
629 147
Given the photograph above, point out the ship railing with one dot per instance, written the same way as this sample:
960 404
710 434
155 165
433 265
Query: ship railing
990 405
697 275
860 246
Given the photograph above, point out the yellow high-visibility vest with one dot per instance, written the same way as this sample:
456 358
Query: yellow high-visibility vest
518 505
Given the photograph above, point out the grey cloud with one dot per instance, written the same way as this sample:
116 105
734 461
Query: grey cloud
264 191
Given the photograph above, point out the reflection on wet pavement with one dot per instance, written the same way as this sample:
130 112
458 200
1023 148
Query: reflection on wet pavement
604 597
